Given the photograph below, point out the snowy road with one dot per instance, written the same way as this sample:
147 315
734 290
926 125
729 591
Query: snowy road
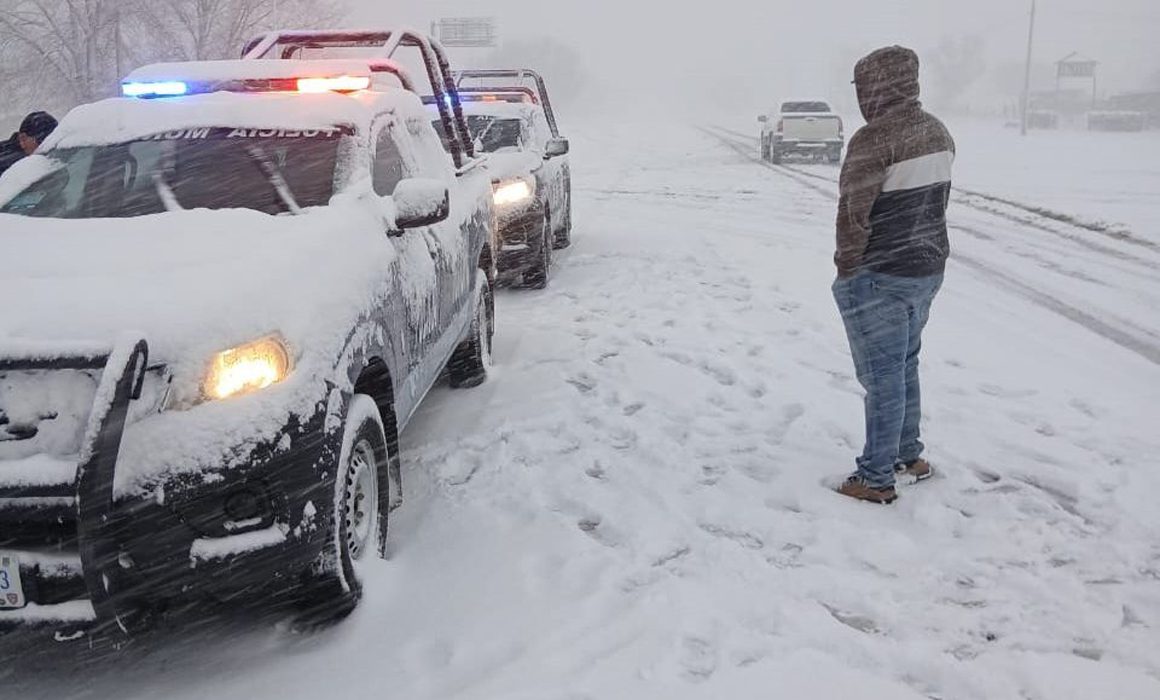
635 505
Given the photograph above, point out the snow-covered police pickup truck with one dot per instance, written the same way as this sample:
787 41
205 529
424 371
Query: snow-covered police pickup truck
222 296
511 119
802 128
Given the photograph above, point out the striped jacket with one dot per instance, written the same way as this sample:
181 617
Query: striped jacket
896 180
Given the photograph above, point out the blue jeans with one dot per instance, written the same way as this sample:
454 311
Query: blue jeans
884 316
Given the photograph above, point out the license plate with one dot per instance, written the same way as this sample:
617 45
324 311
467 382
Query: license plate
11 590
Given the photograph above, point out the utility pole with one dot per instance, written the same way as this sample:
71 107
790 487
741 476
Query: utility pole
1027 70
117 47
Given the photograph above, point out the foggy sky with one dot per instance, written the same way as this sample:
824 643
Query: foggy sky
806 47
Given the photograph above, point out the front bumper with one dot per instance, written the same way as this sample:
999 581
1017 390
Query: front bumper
89 558
808 146
520 240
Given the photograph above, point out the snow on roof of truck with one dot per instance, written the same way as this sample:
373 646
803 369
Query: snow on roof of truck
798 105
123 119
213 71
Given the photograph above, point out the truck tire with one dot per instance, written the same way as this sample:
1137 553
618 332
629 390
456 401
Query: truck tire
563 237
471 361
334 587
539 272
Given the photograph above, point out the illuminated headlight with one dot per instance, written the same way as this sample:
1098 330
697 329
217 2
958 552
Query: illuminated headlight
247 368
512 192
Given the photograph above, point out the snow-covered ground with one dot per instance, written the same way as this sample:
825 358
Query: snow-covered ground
635 506
1109 177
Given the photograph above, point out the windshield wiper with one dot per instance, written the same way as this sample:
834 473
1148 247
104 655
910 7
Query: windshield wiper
274 177
165 193
480 140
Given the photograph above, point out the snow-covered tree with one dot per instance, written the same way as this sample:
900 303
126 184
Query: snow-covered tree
195 30
66 47
55 54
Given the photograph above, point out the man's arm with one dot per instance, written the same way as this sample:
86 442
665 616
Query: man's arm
863 175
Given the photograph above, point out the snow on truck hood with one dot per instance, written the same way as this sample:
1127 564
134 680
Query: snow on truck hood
193 282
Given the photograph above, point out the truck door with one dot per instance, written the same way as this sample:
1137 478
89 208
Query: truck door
415 288
450 241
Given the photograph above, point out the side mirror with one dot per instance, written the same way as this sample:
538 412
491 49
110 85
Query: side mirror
556 147
420 202
763 118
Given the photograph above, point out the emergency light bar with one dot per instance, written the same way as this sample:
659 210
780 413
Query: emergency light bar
170 88
176 88
345 83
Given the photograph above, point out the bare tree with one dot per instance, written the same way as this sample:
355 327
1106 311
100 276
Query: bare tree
196 30
69 45
55 54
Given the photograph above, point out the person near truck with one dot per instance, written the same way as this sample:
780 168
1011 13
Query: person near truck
892 248
33 131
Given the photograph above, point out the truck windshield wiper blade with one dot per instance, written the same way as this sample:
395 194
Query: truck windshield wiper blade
165 193
274 177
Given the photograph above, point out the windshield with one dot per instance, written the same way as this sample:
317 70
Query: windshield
804 107
490 134
272 171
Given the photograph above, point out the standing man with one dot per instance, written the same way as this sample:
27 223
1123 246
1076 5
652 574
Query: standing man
891 253
33 131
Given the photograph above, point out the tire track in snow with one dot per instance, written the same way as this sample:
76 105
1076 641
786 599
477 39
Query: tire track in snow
1121 332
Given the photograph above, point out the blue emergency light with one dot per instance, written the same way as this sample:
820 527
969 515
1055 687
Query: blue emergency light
169 88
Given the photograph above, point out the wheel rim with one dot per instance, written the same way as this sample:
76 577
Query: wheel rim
362 496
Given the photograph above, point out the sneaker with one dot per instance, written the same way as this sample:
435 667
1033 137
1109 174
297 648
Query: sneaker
918 470
856 487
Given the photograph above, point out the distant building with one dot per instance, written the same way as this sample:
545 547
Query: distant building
1146 102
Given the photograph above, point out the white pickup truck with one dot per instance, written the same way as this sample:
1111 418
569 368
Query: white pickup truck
802 127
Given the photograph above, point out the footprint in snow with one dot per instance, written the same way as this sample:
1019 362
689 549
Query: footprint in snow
592 526
584 383
789 415
985 475
746 539
722 375
853 621
699 659
1003 393
596 471
634 408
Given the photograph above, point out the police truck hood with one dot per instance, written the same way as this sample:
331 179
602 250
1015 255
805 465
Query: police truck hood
191 282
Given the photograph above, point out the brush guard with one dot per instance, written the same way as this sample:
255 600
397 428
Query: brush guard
516 79
123 370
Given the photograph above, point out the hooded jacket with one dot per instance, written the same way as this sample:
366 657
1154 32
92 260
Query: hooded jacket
10 152
896 180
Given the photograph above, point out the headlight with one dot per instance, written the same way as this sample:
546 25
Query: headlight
247 368
513 192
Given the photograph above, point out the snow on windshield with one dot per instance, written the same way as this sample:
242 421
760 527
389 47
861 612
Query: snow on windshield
268 170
